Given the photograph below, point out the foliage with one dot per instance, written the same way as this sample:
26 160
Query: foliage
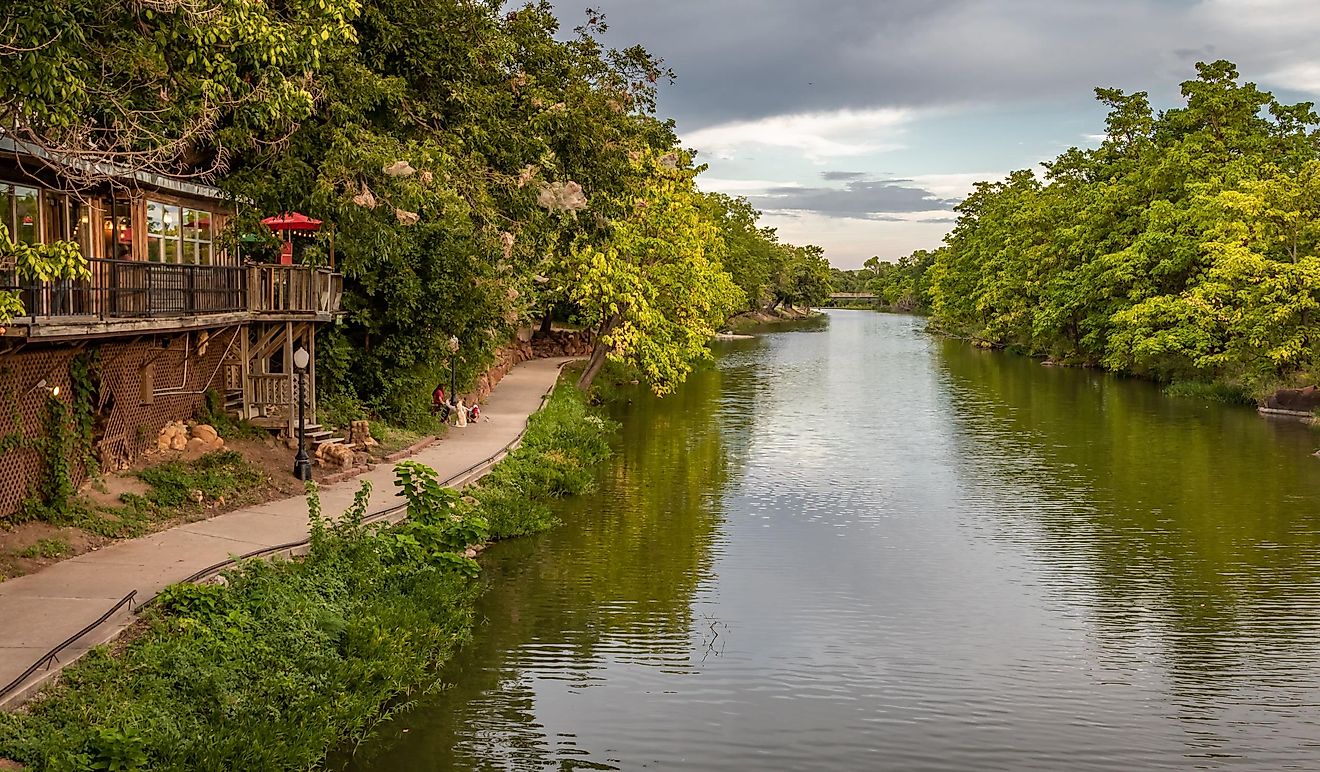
1210 392
656 292
215 475
53 547
59 260
563 440
1183 248
213 413
288 659
167 86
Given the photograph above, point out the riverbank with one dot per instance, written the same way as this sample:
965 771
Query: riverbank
753 319
749 577
331 638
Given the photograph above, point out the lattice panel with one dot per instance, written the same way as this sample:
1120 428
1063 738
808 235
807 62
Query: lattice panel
24 414
142 386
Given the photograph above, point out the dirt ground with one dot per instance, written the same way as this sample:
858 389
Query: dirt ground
30 546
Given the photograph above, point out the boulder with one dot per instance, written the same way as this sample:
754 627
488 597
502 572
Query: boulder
174 436
206 433
1300 400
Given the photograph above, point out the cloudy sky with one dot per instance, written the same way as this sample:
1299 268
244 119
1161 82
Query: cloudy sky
858 125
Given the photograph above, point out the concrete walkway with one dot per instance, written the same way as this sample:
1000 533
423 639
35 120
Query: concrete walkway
41 610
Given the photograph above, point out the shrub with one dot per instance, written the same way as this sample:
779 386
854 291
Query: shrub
288 659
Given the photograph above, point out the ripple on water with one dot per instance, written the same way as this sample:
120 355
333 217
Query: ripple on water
864 548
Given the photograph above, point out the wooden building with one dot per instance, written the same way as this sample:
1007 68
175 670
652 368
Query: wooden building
168 314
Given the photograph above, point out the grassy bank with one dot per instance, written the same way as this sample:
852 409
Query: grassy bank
288 659
755 319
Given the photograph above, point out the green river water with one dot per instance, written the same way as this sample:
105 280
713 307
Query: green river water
853 546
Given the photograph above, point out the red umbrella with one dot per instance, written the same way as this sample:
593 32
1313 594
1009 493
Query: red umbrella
292 222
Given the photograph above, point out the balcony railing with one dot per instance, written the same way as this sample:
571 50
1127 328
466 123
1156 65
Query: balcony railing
293 289
133 289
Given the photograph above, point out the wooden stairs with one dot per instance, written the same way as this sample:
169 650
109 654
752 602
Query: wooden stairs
317 435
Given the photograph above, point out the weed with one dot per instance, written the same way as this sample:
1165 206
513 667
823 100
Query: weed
288 659
1212 392
222 473
213 412
46 548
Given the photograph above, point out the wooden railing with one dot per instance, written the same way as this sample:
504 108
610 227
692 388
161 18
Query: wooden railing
271 391
134 289
283 289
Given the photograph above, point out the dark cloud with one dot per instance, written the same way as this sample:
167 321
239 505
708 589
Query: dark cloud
740 61
868 199
841 176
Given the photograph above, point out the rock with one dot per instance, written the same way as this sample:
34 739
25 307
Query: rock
196 495
1301 400
336 453
196 446
174 436
206 433
469 552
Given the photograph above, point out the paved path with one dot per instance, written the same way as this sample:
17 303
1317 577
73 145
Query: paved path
39 611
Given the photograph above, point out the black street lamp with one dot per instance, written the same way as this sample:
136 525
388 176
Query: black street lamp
302 465
453 371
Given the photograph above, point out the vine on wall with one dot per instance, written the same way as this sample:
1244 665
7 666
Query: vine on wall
64 442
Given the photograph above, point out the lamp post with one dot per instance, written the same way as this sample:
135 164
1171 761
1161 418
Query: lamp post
453 370
302 465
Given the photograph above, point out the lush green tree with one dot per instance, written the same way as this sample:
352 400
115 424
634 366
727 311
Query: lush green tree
1181 247
173 87
657 292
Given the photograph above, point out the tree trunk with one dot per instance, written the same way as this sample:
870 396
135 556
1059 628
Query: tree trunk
547 321
597 360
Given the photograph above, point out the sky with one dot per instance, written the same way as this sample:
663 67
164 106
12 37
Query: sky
859 125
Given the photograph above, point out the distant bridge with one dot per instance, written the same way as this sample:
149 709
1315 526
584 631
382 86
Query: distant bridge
853 296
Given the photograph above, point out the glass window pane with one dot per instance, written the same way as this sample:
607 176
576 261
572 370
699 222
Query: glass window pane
7 207
155 218
204 226
190 252
27 215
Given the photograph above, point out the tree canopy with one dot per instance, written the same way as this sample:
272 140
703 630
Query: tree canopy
479 166
1183 247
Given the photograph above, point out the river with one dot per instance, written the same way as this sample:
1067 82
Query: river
854 546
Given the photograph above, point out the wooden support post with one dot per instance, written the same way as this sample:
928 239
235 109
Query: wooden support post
246 375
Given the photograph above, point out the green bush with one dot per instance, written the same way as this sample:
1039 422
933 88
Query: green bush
562 442
288 659
1211 392
217 474
46 548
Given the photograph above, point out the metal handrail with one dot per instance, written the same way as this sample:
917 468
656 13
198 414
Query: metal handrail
53 654
215 568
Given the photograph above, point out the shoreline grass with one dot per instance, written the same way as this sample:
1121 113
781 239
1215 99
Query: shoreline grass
287 660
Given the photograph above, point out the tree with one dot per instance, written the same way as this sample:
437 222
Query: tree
656 294
1182 247
173 87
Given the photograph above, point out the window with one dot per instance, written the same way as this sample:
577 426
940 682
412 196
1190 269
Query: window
197 246
163 232
20 212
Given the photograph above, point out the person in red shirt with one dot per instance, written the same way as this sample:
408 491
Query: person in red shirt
439 405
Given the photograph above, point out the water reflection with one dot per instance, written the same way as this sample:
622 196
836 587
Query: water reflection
605 602
854 546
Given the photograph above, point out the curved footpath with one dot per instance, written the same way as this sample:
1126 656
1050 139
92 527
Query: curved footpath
41 610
